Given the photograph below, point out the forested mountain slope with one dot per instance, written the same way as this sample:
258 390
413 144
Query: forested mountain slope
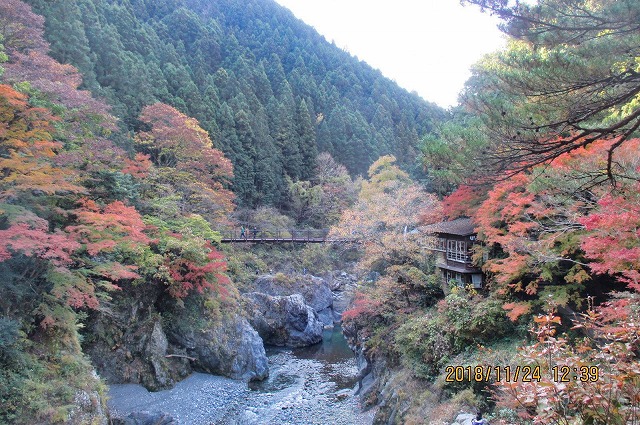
270 90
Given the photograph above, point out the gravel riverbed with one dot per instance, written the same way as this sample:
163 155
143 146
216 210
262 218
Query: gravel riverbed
304 387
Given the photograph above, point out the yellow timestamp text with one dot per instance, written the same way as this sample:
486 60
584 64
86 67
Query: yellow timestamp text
520 373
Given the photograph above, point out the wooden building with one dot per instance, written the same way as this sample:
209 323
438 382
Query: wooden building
452 241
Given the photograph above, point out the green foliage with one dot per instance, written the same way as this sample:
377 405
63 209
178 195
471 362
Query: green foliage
244 265
319 259
113 185
3 55
10 336
319 202
568 77
265 219
428 341
423 347
451 154
192 225
39 382
270 91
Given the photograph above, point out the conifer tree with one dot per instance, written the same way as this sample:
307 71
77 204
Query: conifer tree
307 140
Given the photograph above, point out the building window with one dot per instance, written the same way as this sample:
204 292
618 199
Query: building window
437 244
457 251
476 280
454 276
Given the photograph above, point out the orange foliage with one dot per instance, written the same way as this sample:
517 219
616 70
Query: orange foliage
27 149
464 201
187 275
102 229
139 166
361 307
612 239
515 310
36 241
530 216
199 172
593 380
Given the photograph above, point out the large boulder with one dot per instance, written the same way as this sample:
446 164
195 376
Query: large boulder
129 344
284 320
315 291
231 348
340 281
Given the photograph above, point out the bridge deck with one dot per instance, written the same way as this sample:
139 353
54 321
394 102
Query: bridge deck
275 239
281 236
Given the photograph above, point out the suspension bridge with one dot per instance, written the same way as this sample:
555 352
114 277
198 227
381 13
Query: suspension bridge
254 235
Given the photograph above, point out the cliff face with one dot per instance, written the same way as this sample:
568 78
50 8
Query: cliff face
315 292
141 340
292 310
284 320
382 384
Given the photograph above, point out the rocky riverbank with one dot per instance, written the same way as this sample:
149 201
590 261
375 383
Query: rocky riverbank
305 386
157 347
282 310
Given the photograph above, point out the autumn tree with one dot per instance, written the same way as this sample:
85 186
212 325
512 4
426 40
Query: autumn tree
189 264
71 239
186 163
384 219
594 379
28 148
23 34
558 230
568 78
20 27
386 212
320 201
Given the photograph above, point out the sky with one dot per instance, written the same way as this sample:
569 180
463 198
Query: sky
426 46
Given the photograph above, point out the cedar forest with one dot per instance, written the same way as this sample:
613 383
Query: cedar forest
133 131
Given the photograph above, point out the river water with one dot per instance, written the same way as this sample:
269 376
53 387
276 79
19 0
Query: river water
307 386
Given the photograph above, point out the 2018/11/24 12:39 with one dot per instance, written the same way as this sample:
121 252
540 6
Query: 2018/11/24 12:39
520 373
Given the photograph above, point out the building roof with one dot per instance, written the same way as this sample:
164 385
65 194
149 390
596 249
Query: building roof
459 227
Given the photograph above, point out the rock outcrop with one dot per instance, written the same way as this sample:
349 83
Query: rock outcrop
132 346
315 291
284 320
377 385
88 407
136 352
232 348
342 285
464 419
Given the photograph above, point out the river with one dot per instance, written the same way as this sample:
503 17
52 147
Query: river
307 386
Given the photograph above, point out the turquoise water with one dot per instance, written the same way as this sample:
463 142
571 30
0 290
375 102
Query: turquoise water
332 360
332 349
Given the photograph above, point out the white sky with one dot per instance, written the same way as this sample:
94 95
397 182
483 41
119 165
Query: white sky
426 46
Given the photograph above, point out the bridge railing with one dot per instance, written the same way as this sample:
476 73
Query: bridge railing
274 234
